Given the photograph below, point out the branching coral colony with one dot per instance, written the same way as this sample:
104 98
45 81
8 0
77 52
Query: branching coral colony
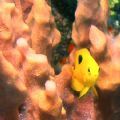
29 88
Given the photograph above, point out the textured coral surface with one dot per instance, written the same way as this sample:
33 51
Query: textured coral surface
29 88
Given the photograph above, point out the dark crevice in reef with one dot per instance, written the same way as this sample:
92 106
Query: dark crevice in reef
66 8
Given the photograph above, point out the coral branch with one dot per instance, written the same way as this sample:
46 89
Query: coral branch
87 13
24 92
44 34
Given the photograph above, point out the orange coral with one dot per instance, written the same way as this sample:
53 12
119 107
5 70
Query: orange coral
44 35
23 72
28 83
88 13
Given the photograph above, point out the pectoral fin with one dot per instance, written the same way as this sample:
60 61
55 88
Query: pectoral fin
84 91
95 91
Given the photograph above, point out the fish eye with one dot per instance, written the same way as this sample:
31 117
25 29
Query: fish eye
88 69
80 59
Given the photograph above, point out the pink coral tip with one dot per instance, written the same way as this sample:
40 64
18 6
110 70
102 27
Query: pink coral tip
50 87
22 43
36 58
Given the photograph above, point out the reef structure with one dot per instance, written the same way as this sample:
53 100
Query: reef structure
29 88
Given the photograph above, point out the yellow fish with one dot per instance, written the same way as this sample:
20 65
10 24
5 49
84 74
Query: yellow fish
85 72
